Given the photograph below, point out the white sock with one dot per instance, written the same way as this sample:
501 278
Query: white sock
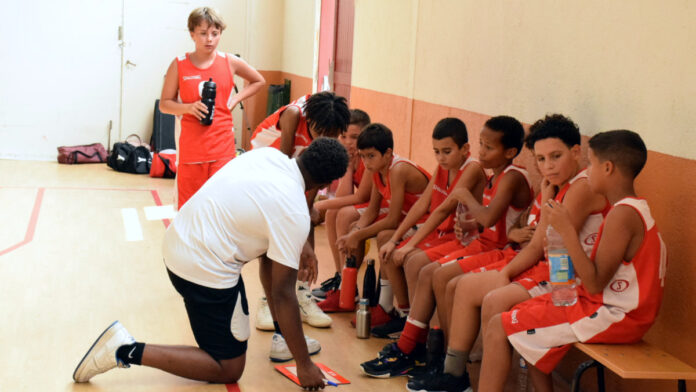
386 297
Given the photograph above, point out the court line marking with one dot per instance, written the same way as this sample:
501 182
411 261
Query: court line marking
31 227
232 388
131 224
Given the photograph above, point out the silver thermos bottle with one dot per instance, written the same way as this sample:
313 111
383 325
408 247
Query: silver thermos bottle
362 319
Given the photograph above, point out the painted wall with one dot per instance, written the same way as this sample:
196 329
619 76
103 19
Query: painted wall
607 65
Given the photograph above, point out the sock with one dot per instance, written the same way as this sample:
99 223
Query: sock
131 353
414 333
455 362
277 328
386 298
403 310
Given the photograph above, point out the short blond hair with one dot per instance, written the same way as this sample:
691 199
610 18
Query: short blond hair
205 14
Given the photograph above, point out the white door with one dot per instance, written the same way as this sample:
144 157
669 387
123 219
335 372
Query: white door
155 32
59 75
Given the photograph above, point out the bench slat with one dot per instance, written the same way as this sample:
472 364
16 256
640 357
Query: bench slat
639 361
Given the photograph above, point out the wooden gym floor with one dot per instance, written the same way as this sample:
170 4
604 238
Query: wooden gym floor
68 271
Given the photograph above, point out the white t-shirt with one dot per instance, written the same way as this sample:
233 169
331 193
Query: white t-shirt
254 205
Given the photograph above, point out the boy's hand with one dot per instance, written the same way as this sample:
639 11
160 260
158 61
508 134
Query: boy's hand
348 243
320 205
558 216
197 109
309 269
521 234
548 191
310 376
386 250
401 253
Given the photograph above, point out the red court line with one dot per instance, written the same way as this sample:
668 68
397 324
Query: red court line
232 388
29 236
155 195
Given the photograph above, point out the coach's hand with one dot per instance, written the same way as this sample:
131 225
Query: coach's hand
309 265
310 376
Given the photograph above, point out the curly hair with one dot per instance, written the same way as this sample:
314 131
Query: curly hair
512 130
624 148
325 160
554 126
327 113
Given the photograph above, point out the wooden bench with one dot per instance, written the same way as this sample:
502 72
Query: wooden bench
633 361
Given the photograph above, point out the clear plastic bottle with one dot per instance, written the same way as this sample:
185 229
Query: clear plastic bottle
561 273
522 376
468 225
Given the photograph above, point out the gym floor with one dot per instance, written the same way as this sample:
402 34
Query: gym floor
68 271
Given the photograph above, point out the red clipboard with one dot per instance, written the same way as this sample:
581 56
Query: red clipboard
290 371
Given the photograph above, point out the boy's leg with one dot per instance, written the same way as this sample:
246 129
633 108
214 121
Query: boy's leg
193 363
496 357
441 277
332 237
395 274
542 382
412 267
501 300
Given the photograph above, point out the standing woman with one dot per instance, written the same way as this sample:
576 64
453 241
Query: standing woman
204 149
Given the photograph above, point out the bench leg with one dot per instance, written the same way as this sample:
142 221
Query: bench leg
575 386
681 387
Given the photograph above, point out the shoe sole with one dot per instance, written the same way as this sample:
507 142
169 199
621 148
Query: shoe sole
393 335
384 375
470 389
281 360
102 338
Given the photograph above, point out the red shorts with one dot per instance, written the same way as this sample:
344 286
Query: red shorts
488 261
432 240
456 251
535 279
190 177
383 209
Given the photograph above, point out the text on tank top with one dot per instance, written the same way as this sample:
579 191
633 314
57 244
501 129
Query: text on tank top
267 134
198 142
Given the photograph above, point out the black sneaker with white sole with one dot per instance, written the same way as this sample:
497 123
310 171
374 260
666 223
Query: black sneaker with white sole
391 329
437 381
392 362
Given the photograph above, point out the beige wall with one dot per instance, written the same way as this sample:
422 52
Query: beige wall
298 37
607 64
263 40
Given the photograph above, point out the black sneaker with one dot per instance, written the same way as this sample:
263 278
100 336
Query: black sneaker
437 381
391 362
333 283
428 369
391 329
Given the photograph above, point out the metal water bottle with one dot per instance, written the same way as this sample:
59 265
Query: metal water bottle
362 319
208 99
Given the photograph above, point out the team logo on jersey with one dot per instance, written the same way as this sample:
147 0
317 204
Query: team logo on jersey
591 239
192 77
513 317
619 285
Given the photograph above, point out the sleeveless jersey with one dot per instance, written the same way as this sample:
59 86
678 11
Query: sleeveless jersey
384 189
441 190
267 134
358 173
495 237
631 300
205 143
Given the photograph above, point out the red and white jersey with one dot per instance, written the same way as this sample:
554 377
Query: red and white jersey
358 173
634 294
205 143
267 134
384 189
588 233
495 237
441 190
535 212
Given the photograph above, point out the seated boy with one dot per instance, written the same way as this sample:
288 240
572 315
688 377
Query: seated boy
455 168
506 196
555 143
397 185
621 282
353 188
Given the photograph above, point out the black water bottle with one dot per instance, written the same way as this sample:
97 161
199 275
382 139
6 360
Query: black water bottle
208 99
370 283
435 347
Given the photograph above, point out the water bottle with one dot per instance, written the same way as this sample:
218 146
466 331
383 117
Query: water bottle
435 347
208 99
349 279
362 319
467 223
522 376
561 273
370 283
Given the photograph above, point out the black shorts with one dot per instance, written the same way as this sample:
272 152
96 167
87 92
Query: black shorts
219 317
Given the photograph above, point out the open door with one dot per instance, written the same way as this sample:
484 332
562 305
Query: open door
336 46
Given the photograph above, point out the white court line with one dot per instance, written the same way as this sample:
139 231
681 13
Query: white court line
131 224
160 212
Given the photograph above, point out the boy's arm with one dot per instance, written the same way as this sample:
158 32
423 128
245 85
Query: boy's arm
360 196
248 73
169 102
420 208
512 183
621 237
288 127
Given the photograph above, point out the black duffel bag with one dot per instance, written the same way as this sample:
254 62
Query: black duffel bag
130 156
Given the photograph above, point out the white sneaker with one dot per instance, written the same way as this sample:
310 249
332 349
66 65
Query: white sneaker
281 353
102 355
309 311
264 321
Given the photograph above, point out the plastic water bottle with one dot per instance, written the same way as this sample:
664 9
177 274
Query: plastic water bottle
561 273
208 99
362 319
522 376
468 225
